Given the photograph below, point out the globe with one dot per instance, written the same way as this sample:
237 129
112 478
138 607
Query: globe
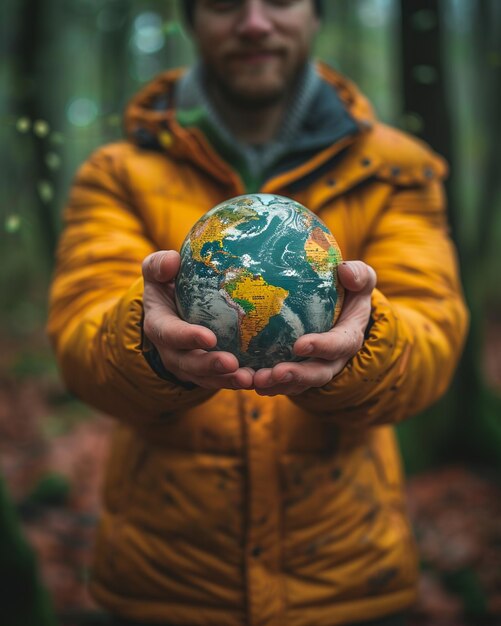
260 271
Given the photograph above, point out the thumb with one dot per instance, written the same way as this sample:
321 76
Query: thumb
161 267
357 276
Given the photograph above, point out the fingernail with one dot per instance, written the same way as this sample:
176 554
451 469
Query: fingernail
287 378
307 349
355 272
153 268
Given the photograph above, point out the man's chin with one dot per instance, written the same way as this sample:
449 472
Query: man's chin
253 96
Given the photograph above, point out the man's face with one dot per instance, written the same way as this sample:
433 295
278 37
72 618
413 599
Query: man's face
254 49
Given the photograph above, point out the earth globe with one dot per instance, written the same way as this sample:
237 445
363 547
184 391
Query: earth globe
259 270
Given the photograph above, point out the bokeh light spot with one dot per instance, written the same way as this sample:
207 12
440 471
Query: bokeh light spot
82 112
372 14
148 35
45 191
41 128
147 19
23 124
12 223
53 160
412 122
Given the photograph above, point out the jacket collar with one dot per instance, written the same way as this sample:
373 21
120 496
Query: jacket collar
340 115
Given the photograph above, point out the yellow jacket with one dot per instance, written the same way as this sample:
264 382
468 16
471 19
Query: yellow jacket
228 508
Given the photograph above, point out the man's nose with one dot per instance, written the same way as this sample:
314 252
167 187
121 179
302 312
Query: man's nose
254 19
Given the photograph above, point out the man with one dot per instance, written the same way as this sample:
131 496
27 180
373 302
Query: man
268 498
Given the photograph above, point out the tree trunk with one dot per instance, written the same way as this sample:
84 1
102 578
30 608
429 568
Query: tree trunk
426 112
115 62
424 91
487 39
478 426
466 426
32 103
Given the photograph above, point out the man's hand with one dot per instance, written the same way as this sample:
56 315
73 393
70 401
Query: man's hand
328 352
184 347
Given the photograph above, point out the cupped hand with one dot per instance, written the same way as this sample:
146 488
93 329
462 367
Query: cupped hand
327 352
185 349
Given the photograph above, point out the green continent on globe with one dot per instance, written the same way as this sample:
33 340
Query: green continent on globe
259 302
260 271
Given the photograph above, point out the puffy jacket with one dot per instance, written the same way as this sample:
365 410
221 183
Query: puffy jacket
227 508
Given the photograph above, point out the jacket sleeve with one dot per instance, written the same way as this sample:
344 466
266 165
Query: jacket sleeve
419 319
95 305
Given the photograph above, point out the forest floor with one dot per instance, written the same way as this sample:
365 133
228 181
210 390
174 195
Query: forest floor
52 454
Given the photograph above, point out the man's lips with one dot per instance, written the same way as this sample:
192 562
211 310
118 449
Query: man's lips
253 56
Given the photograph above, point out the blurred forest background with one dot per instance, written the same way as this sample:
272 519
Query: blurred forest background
67 69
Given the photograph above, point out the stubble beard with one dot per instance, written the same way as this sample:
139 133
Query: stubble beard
246 98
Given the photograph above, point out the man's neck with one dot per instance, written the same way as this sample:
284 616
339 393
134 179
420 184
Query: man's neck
247 126
254 126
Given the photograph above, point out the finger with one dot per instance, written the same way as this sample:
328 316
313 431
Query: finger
161 267
345 339
198 363
165 329
356 311
270 377
309 373
242 378
357 276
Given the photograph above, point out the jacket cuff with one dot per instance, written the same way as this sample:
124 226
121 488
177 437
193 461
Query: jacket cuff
149 393
153 359
355 397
